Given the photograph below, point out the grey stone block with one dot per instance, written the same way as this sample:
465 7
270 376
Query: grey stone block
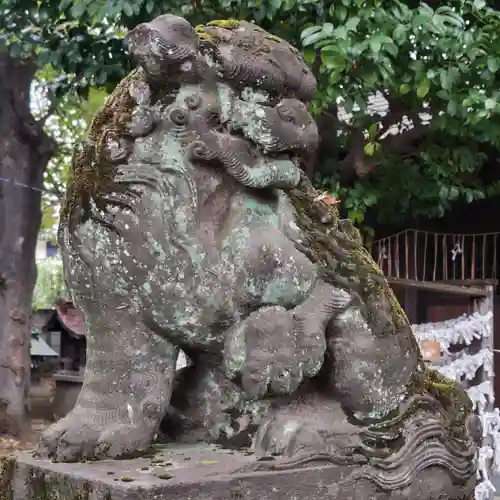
206 473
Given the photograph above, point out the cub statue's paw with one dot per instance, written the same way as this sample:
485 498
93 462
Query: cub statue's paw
267 353
275 348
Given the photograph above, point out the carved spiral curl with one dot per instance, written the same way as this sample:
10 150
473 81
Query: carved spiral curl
199 151
193 101
179 117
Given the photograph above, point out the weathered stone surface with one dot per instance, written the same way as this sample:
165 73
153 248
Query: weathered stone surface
189 225
208 473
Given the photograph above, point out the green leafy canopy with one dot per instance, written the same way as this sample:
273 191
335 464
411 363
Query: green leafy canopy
408 102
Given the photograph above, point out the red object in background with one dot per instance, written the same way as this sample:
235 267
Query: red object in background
328 199
71 318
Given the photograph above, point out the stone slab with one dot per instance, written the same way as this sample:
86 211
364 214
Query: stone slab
201 473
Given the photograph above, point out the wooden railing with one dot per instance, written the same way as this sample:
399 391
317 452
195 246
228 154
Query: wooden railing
427 256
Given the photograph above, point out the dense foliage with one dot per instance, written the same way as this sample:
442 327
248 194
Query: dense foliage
433 67
50 286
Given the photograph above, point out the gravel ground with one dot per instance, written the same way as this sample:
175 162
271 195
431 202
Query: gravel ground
9 445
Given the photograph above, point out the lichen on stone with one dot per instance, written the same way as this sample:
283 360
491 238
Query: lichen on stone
346 263
43 485
274 38
90 175
229 24
203 35
452 396
7 470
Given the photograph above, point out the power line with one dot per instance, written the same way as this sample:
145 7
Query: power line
26 186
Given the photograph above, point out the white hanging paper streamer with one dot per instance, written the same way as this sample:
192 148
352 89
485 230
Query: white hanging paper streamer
485 488
491 427
467 365
464 366
481 394
455 331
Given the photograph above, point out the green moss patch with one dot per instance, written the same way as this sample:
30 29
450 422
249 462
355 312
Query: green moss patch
345 262
91 174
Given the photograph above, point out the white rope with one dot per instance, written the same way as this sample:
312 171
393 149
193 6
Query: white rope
463 367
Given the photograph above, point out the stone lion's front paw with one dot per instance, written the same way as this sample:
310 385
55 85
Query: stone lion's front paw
266 354
89 435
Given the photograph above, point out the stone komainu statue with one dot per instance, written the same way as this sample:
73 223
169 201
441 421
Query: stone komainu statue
188 224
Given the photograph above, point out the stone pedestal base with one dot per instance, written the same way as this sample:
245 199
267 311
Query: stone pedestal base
205 473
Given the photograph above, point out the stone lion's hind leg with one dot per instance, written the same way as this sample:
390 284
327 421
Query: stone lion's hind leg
126 390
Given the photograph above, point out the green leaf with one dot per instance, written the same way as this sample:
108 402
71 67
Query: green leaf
399 33
493 64
348 104
453 193
276 4
369 148
328 28
452 19
375 44
15 50
309 31
352 23
341 13
78 9
370 199
452 108
443 192
421 20
334 77
340 32
128 9
423 88
490 104
404 88
64 4
332 60
356 216
309 55
391 49
479 4
313 38
445 80
361 103
372 130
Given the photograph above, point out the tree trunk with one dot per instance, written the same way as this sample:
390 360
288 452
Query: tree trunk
24 153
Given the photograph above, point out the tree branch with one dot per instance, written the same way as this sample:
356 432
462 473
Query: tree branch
54 103
403 143
357 163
